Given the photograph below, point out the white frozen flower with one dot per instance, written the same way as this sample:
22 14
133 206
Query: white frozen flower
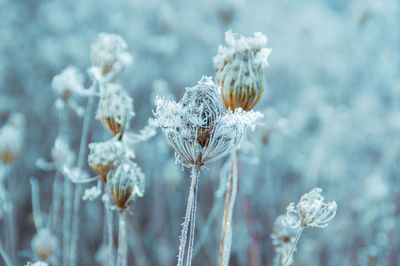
125 184
283 238
61 153
44 244
239 67
115 109
92 193
109 55
198 127
108 155
311 211
75 174
69 81
11 138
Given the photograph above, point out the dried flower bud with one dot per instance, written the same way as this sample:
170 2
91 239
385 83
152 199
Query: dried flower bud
125 184
108 155
44 244
311 211
62 154
69 81
109 54
115 109
198 127
239 67
11 138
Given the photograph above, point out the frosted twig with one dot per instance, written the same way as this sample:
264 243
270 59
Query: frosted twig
36 204
300 230
122 256
3 253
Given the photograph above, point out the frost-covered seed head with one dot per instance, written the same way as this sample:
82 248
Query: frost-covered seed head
115 109
283 238
109 54
125 184
44 244
198 127
38 263
239 67
11 138
311 211
70 80
108 155
61 153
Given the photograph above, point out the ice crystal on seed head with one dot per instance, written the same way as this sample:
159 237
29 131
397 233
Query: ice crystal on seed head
311 211
109 54
11 138
115 109
69 81
108 155
198 127
125 184
239 67
44 244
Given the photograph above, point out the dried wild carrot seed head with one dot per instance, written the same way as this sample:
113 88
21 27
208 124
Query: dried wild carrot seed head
239 67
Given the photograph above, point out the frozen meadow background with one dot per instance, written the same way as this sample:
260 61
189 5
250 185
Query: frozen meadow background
331 112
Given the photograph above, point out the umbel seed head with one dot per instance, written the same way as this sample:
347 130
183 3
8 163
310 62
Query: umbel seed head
115 109
11 138
125 184
44 244
239 67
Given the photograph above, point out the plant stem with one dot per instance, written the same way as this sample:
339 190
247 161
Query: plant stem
3 253
193 220
122 256
194 177
294 245
226 235
110 232
67 219
78 188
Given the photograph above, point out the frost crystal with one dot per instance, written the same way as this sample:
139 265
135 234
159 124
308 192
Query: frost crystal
109 55
69 81
115 109
44 244
198 127
311 211
125 184
239 67
11 138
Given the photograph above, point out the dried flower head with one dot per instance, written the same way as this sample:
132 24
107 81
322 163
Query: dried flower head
115 109
283 238
109 54
198 127
62 154
311 211
125 184
11 138
69 81
108 155
44 244
239 67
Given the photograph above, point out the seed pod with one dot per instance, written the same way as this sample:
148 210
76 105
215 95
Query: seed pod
125 184
239 67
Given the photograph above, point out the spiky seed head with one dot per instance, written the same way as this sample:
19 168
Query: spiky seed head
239 67
125 184
115 109
11 138
44 244
109 54
198 127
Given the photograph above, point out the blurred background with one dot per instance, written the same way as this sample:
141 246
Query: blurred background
331 119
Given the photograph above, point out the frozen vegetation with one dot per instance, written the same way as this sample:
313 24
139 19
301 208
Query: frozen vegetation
215 132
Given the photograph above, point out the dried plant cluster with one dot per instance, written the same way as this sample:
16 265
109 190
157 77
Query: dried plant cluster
169 133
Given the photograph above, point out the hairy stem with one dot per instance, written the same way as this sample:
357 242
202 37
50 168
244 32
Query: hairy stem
194 177
122 256
294 245
78 188
226 234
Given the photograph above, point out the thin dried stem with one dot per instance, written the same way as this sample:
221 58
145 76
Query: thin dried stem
193 221
110 232
226 235
3 253
194 177
122 256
